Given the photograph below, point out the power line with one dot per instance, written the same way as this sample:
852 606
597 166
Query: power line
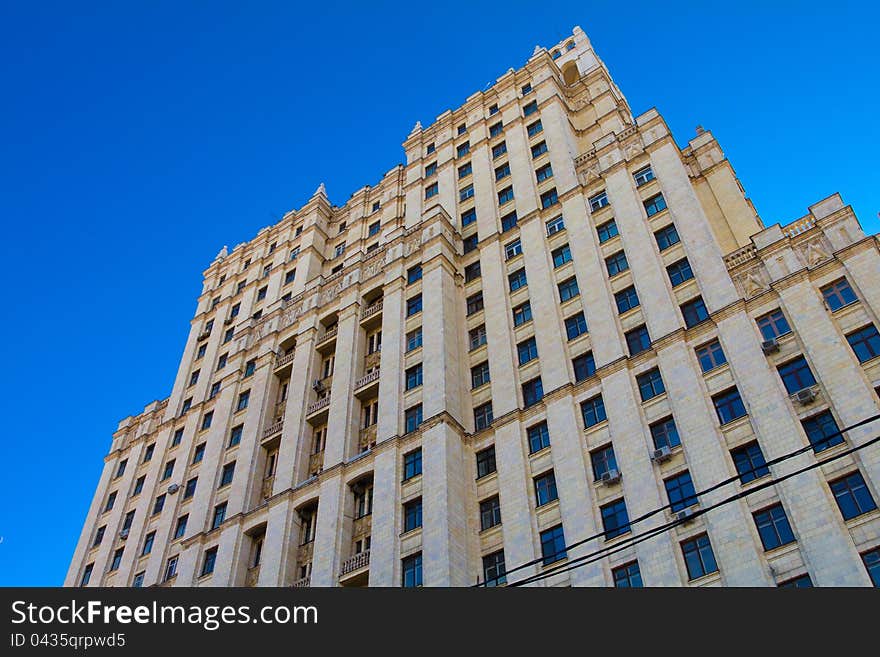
725 482
651 533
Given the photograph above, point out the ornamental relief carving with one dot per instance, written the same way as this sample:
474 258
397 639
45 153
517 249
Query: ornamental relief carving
814 251
753 281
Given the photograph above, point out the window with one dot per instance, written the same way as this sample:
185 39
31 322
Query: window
194 378
490 513
465 193
465 170
468 217
432 190
221 361
517 279
549 198
209 562
606 231
475 303
498 150
229 334
773 527
199 453
852 495
533 391
414 305
138 580
412 515
698 556
87 574
626 299
201 352
575 325
584 366
838 294
502 172
598 201
796 375
470 243
168 470
526 89
509 221
414 339
664 433
412 464
235 435
117 559
616 263
553 545
522 314
679 272
655 204
463 149
872 564
215 302
226 474
800 582
99 535
512 249
413 418
129 519
207 418
666 237
219 515
190 489
120 469
680 491
180 527
159 504
535 128
482 416
561 255
243 400
261 293
493 569
187 404
627 576
111 500
294 252
638 340
593 411
431 170
615 520
545 489
412 570
505 195
170 569
711 355
650 384
139 485
496 129
539 437
694 312
376 205
539 149
527 350
215 390
555 225
250 367
729 406
289 276
822 431
643 175
773 325
485 462
603 461
148 543
414 377
430 148
543 173
531 108
865 343
472 272
568 289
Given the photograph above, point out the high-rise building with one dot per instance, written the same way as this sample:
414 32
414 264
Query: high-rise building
550 331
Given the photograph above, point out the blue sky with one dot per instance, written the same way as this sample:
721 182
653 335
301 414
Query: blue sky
139 138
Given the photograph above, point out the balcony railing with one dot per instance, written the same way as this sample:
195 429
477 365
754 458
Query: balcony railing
281 361
329 333
369 311
314 407
356 562
274 428
303 582
366 379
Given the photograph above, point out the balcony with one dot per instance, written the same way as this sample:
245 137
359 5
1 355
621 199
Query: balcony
302 582
273 429
252 576
316 463
371 310
316 407
328 335
365 385
284 362
354 566
367 438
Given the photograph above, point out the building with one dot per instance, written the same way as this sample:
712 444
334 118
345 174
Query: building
549 323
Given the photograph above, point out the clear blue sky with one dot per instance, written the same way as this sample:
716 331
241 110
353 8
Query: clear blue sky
138 138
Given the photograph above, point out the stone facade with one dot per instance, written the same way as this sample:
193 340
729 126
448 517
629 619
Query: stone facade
332 401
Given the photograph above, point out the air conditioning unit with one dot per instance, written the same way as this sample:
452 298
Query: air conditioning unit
610 477
228 320
684 514
769 346
805 396
204 335
123 534
317 385
661 454
173 488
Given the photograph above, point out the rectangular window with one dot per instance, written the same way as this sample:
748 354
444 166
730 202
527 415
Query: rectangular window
219 515
235 435
555 225
373 229
474 303
465 193
552 545
201 352
517 280
729 405
413 274
655 204
522 314
505 195
465 170
568 289
538 436
194 378
470 243
650 384
509 221
129 519
773 527
680 491
531 108
463 149
432 190
799 582
430 148
694 312
711 355
120 469
485 462
606 231
838 294
198 453
603 461
698 556
468 217
539 149
414 339
99 535
139 485
87 574
462 129
502 172
289 277
148 543
871 560
545 489
627 576
490 513
616 263
138 581
412 515
543 173
180 527
664 433
117 559
598 201
412 570
431 170
493 569
549 198
852 495
190 489
643 175
796 375
496 129
250 367
822 431
527 351
472 272
477 337
207 419
414 305
638 340
773 325
215 390
865 343
227 474
209 562
584 366
512 249
498 150
243 400
228 335
261 293
413 376
534 128
666 237
593 411
159 504
482 416
533 391
626 299
412 464
615 519
168 470
575 325
413 418
679 272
